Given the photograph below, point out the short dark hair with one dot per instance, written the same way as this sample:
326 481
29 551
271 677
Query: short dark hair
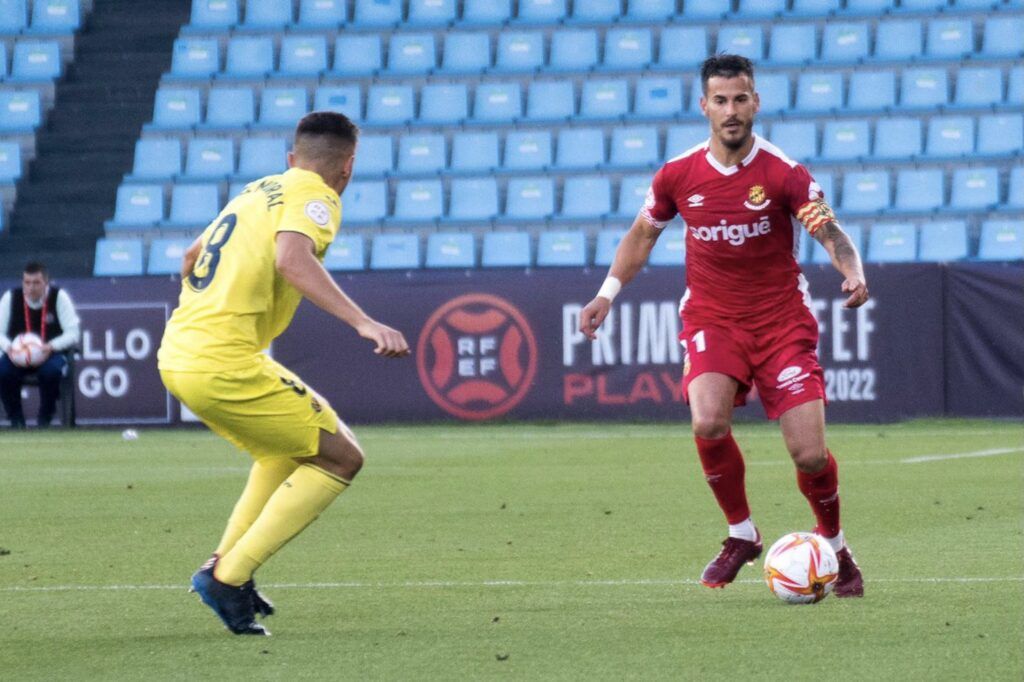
725 66
325 133
35 267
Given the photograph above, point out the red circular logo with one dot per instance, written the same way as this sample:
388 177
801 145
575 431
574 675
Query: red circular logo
477 356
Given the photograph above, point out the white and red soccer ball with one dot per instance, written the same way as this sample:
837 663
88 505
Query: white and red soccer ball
801 568
27 350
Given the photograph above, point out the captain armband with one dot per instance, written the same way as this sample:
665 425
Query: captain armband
815 214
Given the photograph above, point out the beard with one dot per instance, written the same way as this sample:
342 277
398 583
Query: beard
736 143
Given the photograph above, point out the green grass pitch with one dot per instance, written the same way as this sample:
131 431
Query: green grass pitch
522 551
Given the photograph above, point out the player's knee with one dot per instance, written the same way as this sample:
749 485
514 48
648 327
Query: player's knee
809 460
342 452
711 426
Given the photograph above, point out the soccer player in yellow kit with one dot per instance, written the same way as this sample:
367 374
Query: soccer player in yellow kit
242 280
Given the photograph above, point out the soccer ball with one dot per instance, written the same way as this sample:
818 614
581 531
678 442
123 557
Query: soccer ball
27 350
801 568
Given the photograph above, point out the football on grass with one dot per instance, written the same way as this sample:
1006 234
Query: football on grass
27 350
801 568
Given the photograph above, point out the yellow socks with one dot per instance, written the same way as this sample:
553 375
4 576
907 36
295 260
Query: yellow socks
265 477
296 503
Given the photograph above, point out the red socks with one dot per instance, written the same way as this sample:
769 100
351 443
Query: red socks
724 471
822 490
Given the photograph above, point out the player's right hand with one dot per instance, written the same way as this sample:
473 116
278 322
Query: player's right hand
390 342
593 315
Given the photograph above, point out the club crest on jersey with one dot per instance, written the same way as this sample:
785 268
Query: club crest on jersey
756 198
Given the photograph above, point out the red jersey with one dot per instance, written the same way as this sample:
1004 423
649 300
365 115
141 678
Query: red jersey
741 239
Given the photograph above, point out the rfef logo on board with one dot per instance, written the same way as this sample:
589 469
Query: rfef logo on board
477 356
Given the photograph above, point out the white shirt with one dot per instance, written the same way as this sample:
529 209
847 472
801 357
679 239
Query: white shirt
66 314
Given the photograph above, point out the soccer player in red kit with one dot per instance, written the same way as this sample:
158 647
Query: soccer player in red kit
746 318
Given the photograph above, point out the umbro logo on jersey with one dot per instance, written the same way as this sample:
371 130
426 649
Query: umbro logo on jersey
696 200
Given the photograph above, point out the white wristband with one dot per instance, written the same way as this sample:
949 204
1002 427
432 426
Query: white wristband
610 289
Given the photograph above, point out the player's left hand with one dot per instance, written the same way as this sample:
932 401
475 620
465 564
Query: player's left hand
390 342
858 290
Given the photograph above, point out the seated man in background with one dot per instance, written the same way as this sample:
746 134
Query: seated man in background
37 308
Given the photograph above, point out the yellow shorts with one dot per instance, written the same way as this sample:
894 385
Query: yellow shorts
265 410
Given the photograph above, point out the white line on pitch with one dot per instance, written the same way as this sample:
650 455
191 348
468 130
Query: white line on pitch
960 455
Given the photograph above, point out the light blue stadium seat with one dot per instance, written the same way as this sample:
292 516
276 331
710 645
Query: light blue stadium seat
1015 197
845 140
3 60
865 191
55 16
634 146
899 39
607 243
444 103
419 200
473 199
451 250
157 159
826 182
422 154
897 138
919 189
707 9
229 108
195 57
19 110
1002 36
35 60
974 188
377 13
466 53
892 243
603 99
527 150
118 257
551 101
632 192
1001 134
364 201
210 158
924 88
628 48
922 5
562 248
1001 240
746 40
506 250
497 102
822 91
235 188
357 54
670 249
1015 90
267 14
214 15
282 107
814 8
249 57
472 152
138 206
412 53
871 90
345 99
347 253
13 16
175 109
845 42
303 56
573 50
165 255
193 204
430 13
486 12
746 9
374 156
950 136
260 156
586 197
519 51
658 97
315 14
773 89
943 241
979 86
682 47
680 138
855 231
865 7
950 38
389 104
798 139
541 11
580 148
10 163
596 11
530 198
792 44
395 252
647 11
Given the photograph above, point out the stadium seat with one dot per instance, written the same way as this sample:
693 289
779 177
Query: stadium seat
873 7
746 9
235 188
892 243
899 40
497 102
3 60
814 8
648 11
13 16
682 47
924 88
374 156
486 12
951 38
562 248
19 111
35 61
681 138
1015 90
634 146
580 148
541 11
979 86
845 140
604 99
466 53
1001 134
865 191
1002 36
792 44
923 5
596 11
950 136
473 152
418 200
632 191
430 13
506 250
389 105
422 154
210 158
826 182
473 199
267 14
527 150
974 188
229 108
214 15
156 159
628 49
573 50
249 57
411 53
55 16
138 206
174 109
586 197
773 89
819 255
607 243
260 156
395 252
1001 240
345 99
365 201
318 14
658 98
118 257
798 139
451 250
193 204
519 51
551 101
919 190
165 255
845 42
897 138
444 103
530 198
670 249
302 56
821 91
943 241
195 58
357 55
1015 196
746 40
377 13
872 91
10 163
347 253
282 107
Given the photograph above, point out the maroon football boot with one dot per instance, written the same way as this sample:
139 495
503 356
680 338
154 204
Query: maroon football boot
735 552
850 582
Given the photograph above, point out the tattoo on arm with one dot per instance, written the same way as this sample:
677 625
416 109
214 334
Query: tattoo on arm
843 250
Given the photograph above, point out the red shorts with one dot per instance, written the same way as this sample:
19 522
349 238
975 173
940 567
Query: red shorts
780 359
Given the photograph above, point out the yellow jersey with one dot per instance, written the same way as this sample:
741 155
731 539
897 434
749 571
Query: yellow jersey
235 302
